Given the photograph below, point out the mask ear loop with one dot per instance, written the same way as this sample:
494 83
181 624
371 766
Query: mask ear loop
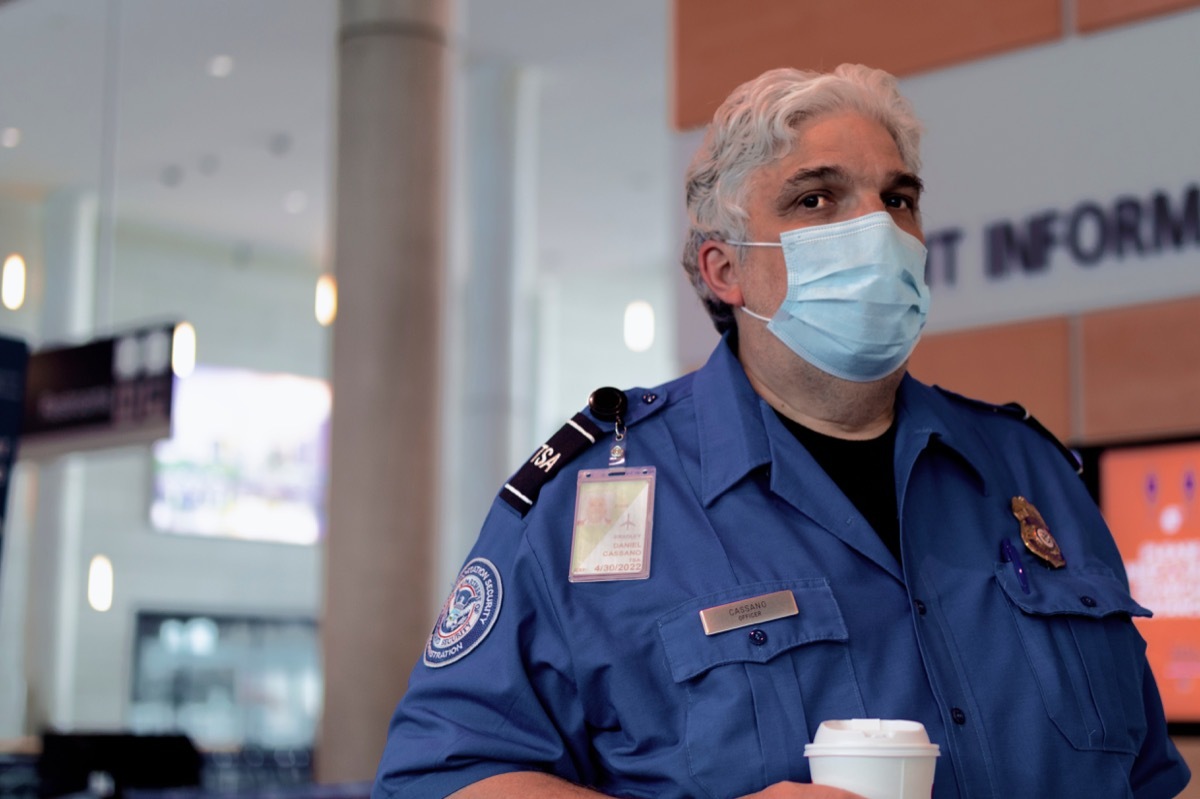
779 244
752 314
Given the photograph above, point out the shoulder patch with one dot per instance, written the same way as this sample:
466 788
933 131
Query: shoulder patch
468 615
522 489
1015 410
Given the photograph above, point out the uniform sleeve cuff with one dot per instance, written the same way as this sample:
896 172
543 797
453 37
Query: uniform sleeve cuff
437 784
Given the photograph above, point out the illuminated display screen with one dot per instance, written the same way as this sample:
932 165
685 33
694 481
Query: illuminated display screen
1148 496
246 458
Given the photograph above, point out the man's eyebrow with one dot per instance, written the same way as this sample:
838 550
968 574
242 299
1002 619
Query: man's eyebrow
906 180
801 177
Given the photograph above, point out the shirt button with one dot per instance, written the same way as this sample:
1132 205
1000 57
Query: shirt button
957 714
649 398
758 637
920 606
1087 601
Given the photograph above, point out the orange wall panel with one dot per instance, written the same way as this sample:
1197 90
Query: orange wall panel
1092 15
1141 371
1026 362
719 43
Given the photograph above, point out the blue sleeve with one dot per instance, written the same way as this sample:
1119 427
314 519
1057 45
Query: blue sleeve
1159 771
509 704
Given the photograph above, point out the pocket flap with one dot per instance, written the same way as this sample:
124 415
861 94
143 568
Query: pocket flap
1088 591
690 652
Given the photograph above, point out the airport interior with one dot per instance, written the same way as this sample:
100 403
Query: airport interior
292 287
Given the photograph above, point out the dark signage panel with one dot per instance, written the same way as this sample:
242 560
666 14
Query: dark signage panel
14 357
107 393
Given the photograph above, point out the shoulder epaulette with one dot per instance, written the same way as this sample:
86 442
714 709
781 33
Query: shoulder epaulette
1018 410
1015 410
522 489
580 432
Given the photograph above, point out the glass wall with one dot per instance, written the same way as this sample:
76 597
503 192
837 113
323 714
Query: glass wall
159 164
227 682
166 161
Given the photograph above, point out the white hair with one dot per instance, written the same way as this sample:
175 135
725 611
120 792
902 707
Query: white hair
755 126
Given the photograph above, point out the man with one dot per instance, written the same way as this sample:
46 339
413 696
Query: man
814 534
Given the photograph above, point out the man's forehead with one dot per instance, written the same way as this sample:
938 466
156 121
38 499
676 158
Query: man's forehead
823 154
840 129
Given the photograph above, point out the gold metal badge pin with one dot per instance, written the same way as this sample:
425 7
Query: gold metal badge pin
1036 534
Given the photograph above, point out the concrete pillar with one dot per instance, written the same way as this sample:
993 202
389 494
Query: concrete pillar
54 573
380 554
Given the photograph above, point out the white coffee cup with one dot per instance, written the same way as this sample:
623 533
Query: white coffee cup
877 758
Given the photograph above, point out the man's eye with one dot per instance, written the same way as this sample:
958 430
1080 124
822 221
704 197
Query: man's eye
813 201
900 201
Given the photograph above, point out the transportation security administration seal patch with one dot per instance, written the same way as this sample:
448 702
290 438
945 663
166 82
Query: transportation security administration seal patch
468 616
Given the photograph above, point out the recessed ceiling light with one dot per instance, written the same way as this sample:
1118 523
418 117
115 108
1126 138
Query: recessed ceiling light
294 202
220 66
209 164
10 137
171 175
279 144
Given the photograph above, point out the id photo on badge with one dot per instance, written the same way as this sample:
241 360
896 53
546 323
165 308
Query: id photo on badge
614 510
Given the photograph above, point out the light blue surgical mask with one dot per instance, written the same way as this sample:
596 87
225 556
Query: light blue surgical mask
856 296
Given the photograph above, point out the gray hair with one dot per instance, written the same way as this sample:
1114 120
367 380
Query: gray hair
755 126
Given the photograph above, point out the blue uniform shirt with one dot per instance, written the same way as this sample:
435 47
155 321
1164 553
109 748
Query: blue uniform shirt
1039 689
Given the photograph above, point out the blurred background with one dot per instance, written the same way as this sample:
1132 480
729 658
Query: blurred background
250 578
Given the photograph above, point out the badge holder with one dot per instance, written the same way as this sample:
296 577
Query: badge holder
614 508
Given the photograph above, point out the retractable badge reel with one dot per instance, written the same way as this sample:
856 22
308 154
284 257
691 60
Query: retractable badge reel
614 507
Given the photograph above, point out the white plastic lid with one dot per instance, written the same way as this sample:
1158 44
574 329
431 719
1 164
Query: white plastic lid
872 737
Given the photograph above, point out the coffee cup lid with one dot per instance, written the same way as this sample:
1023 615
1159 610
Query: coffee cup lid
886 737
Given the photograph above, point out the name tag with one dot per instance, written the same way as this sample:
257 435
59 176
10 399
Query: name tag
744 612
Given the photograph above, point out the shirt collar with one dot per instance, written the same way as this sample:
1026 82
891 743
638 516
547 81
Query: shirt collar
925 415
733 439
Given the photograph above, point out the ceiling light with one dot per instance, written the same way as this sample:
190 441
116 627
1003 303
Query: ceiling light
220 66
12 282
294 202
326 303
183 349
100 584
279 144
10 137
209 164
171 175
639 326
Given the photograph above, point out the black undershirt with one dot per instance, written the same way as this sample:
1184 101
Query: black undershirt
863 470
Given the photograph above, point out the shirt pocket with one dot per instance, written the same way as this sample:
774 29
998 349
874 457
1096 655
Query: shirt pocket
1085 654
746 720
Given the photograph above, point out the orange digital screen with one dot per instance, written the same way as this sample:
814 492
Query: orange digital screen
1148 496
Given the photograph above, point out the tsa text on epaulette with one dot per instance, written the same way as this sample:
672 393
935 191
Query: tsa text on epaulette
522 489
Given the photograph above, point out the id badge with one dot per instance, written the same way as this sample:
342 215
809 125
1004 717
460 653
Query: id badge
614 509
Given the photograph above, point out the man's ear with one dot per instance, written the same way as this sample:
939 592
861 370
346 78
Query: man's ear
719 271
